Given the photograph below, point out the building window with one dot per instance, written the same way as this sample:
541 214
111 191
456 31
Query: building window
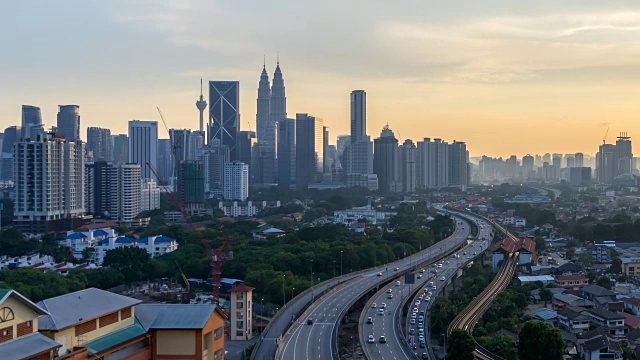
240 324
217 354
217 332
240 296
240 305
239 333
29 323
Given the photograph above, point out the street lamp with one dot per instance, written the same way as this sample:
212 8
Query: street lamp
284 295
292 289
261 308
341 262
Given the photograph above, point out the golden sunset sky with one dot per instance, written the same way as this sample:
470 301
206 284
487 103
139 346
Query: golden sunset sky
506 77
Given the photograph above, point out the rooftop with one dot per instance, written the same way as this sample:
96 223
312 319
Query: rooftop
596 290
605 314
67 310
115 338
25 346
174 316
242 288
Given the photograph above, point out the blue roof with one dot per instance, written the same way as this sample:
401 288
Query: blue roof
100 232
546 314
104 241
124 240
143 240
76 235
26 346
163 238
173 316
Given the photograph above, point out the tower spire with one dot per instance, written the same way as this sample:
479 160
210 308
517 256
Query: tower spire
201 87
278 58
264 61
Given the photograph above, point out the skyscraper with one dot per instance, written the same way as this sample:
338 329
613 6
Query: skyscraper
579 159
98 178
165 161
143 146
49 184
201 104
623 154
432 164
31 122
358 115
458 164
99 142
287 151
309 150
408 153
263 115
236 181
527 166
11 135
191 184
125 193
224 114
278 101
69 121
180 140
341 143
385 160
119 148
605 163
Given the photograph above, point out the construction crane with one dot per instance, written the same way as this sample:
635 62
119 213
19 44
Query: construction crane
604 139
184 278
174 146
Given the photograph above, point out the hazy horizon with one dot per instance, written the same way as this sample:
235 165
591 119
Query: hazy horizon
505 78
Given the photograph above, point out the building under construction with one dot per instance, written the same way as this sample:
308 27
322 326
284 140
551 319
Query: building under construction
191 185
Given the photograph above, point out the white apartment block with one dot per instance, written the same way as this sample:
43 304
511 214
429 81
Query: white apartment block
126 197
236 181
245 208
149 195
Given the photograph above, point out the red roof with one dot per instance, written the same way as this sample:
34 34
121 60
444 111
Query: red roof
104 225
506 245
527 244
631 320
242 288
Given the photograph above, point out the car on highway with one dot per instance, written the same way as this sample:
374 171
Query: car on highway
389 291
417 302
421 338
428 298
382 339
383 305
420 325
420 276
475 253
397 283
425 356
412 322
439 265
413 315
423 345
422 271
380 311
374 305
412 331
309 321
369 320
379 274
390 296
396 269
430 285
371 339
442 278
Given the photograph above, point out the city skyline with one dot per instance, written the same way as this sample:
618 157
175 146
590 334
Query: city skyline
513 80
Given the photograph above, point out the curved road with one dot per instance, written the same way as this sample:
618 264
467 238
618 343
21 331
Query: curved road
317 341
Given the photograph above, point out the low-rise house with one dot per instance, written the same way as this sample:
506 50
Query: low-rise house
19 336
612 323
562 300
544 279
571 281
599 295
548 316
631 321
597 345
632 304
10 263
573 321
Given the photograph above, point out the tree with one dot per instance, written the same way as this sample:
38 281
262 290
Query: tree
585 259
130 261
13 243
460 345
605 282
540 244
538 341
616 266
546 295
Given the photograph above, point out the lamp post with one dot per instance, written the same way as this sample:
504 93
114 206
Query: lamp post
292 289
311 265
284 295
341 262
261 308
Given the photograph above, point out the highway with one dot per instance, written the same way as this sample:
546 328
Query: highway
319 339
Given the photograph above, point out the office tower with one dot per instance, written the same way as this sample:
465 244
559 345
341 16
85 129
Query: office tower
263 115
31 122
224 114
385 160
165 161
98 184
201 104
623 154
580 176
330 156
408 153
180 142
196 144
556 160
432 166
11 135
246 141
579 159
510 167
277 104
605 163
571 160
143 146
236 181
125 194
99 142
527 166
49 184
190 188
358 115
458 164
69 121
326 165
218 156
287 151
341 144
149 195
546 158
119 148
309 150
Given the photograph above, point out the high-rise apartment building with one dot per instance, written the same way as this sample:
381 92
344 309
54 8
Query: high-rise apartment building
408 155
143 146
556 161
149 195
236 181
98 187
432 164
165 161
196 145
341 143
579 159
606 163
385 160
358 115
224 114
31 122
527 166
125 194
99 142
458 164
119 148
11 135
623 154
190 188
49 184
69 121
287 151
309 150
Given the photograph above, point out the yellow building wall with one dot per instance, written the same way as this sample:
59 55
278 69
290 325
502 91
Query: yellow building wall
636 266
68 339
21 314
215 321
176 342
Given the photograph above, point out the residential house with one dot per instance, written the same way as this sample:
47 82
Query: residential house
548 316
573 321
612 323
631 267
563 300
597 345
599 295
632 304
571 281
19 336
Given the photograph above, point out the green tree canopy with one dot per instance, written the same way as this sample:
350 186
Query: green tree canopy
460 345
131 261
539 341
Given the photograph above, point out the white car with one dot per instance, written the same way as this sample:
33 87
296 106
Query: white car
442 278
374 305
414 315
389 291
383 305
380 311
371 339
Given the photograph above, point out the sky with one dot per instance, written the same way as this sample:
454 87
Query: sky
507 77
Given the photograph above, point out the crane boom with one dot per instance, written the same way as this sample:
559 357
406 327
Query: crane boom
604 140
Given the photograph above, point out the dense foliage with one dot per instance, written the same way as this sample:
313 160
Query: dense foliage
539 341
460 345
